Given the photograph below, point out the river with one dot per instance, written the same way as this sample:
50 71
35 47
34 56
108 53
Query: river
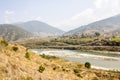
98 60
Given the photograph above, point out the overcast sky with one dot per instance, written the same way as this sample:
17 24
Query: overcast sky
63 14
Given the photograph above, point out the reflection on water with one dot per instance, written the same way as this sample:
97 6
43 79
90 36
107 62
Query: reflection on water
109 61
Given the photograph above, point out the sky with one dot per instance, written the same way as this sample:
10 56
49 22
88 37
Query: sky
63 14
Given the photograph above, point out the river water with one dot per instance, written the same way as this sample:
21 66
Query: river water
98 60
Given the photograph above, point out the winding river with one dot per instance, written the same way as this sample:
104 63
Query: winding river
98 60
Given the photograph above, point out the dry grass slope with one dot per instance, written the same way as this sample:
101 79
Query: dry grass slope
14 65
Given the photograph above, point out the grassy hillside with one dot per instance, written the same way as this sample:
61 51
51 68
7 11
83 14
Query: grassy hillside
12 33
19 63
40 29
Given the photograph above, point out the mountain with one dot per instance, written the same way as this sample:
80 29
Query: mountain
12 32
114 32
109 25
40 29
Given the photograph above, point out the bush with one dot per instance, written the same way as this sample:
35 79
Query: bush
79 75
5 43
87 65
41 69
54 68
63 69
27 55
14 48
76 71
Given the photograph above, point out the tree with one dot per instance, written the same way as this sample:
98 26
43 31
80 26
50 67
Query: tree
87 65
97 34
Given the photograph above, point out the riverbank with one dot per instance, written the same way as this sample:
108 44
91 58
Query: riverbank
105 52
98 61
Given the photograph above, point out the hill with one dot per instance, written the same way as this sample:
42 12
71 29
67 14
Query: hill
40 29
114 32
12 32
109 25
19 63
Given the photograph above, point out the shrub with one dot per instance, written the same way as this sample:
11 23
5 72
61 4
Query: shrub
27 55
97 34
63 69
76 71
41 69
54 68
5 43
87 65
79 75
14 48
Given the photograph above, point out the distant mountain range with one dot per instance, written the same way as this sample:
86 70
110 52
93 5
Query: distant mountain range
109 26
12 32
40 29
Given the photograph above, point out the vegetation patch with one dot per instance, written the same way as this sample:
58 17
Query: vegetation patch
114 71
27 55
79 66
15 48
79 75
48 57
76 71
5 43
54 68
41 69
88 65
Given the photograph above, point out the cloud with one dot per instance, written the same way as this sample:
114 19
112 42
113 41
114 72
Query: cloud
9 12
8 16
102 9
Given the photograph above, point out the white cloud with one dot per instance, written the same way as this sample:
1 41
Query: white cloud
8 16
9 12
102 9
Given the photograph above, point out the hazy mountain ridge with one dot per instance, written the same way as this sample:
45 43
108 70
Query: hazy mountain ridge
114 33
12 32
39 28
108 25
